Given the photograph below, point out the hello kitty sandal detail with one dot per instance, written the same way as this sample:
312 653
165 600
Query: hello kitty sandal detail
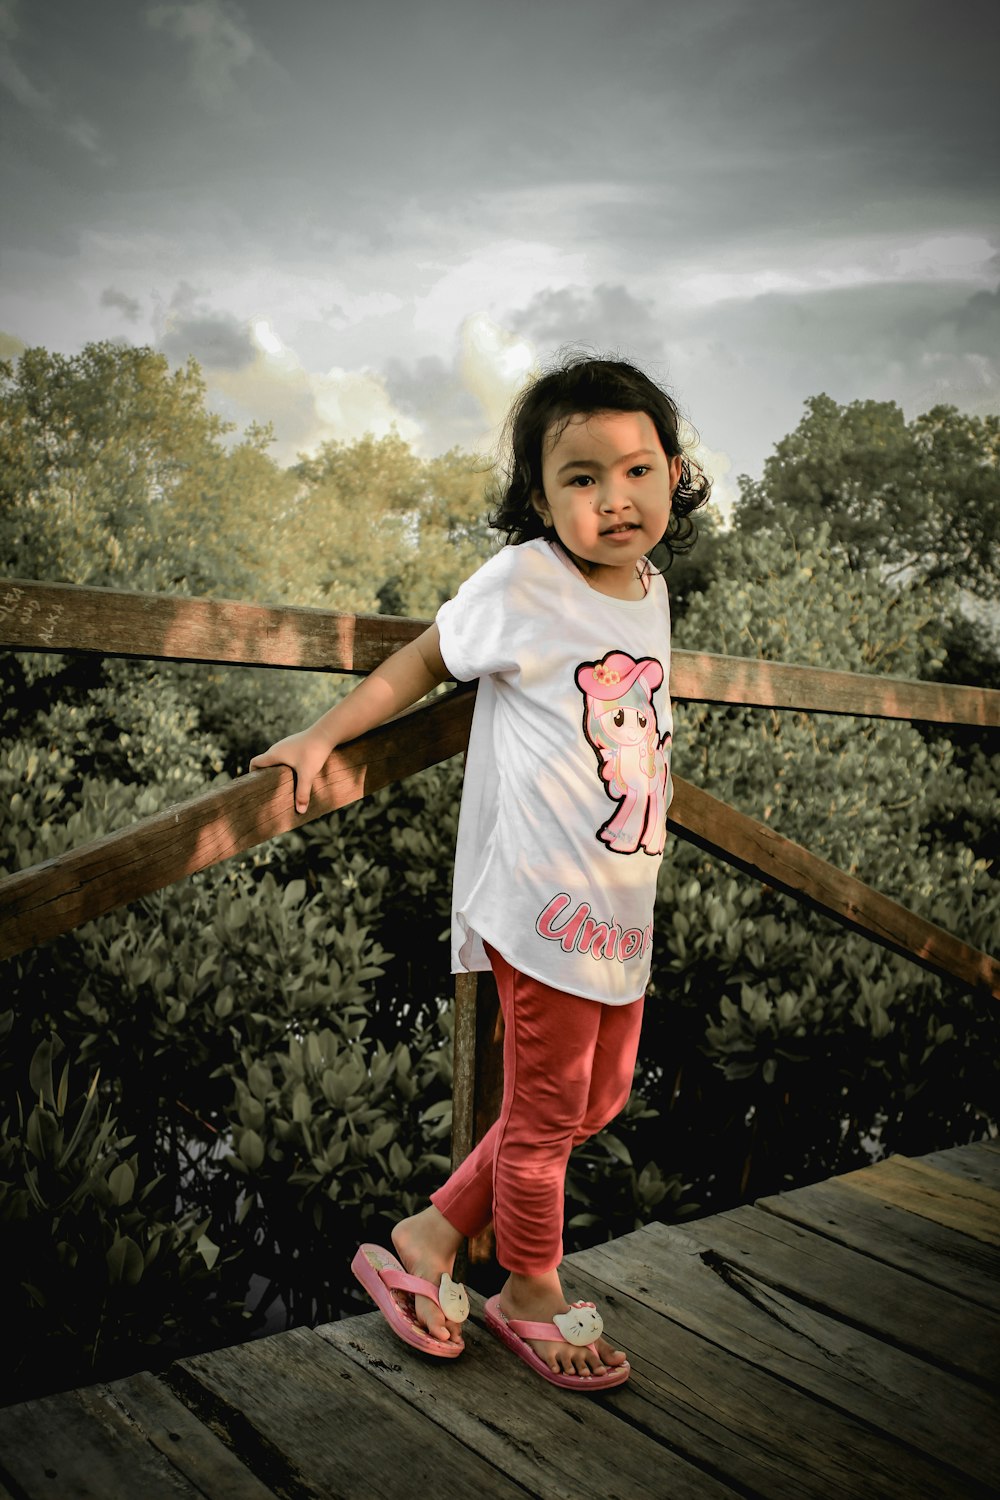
392 1289
581 1325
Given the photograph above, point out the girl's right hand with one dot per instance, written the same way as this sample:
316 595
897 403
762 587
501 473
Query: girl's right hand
306 753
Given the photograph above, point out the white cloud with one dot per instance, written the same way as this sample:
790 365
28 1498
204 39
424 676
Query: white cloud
491 279
719 466
836 265
494 365
305 408
266 338
945 257
359 307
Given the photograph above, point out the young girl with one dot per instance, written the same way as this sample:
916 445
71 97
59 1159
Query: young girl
560 836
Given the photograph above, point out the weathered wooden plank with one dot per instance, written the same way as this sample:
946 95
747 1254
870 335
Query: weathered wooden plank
465 1052
526 1431
969 1207
703 677
184 1441
890 1234
664 1268
61 893
80 1447
168 627
912 1314
759 1432
477 1080
978 1162
309 1421
113 622
761 852
937 1181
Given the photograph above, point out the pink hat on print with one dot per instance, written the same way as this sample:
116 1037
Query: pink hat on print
616 673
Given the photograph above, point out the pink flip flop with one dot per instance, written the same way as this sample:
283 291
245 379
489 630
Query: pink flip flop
393 1289
581 1325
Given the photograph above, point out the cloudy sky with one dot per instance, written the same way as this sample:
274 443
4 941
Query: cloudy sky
376 213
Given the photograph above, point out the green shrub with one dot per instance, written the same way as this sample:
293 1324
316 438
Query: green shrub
100 1268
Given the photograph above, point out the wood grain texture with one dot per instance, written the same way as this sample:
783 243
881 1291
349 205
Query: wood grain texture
532 1434
704 677
912 1243
50 898
311 1422
831 1369
166 627
978 1162
38 904
186 1443
695 1395
922 1189
898 1309
79 1445
769 1360
111 622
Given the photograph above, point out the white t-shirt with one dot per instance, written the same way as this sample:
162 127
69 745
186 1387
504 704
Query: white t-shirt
567 778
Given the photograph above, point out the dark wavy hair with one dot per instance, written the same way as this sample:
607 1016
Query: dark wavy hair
582 386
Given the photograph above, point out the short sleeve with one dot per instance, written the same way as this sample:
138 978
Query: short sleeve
482 627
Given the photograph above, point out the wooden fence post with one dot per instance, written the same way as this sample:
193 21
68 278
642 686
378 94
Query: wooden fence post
477 1084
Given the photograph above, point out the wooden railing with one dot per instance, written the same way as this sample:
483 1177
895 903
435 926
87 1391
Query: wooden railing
40 903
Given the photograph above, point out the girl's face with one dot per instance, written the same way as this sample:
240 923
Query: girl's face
607 487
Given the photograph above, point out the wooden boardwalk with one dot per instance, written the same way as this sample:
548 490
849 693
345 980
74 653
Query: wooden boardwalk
840 1341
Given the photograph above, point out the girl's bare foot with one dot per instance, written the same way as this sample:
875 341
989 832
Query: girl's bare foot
538 1299
427 1245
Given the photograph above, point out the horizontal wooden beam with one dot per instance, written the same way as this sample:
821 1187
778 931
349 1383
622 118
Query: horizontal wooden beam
53 897
168 627
110 622
759 851
705 678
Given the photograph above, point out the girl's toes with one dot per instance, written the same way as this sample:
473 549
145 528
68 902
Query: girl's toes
432 1318
610 1356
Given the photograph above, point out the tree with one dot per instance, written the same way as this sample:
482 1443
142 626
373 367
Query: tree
921 498
348 528
112 472
451 537
375 528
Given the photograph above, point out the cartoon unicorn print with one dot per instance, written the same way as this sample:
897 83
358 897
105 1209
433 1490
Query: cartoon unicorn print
619 721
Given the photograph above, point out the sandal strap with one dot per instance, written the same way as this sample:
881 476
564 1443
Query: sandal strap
525 1329
402 1281
558 1332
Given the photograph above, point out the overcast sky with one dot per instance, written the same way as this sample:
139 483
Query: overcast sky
386 212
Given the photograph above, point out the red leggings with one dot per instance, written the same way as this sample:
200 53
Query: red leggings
568 1066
